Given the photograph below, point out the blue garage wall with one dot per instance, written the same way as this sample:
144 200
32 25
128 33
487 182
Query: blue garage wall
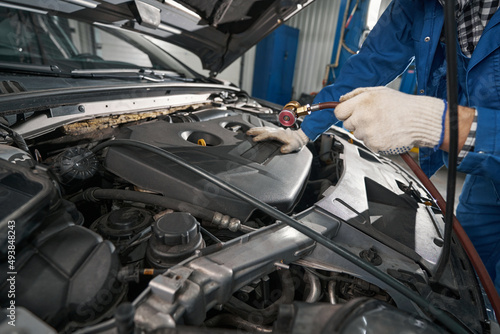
275 64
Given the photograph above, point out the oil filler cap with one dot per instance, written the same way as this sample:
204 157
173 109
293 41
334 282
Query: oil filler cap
177 228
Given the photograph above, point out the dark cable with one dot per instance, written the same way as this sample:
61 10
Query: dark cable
450 29
439 315
18 139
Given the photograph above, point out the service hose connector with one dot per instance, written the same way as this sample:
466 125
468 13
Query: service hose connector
293 110
288 116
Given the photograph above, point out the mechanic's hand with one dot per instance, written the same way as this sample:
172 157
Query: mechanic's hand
391 122
294 140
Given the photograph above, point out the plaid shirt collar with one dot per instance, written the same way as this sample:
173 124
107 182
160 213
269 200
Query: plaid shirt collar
472 17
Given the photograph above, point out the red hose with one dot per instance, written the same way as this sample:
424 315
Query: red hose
327 105
476 261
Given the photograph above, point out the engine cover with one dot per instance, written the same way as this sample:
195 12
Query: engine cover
218 146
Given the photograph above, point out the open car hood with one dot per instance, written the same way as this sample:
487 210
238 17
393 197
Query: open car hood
218 31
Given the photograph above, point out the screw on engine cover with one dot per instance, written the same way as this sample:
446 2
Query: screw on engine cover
371 256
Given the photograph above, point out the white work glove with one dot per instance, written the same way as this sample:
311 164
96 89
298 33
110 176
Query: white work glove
392 122
294 140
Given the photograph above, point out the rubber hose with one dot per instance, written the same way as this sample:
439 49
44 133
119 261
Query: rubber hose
96 194
327 105
268 314
450 35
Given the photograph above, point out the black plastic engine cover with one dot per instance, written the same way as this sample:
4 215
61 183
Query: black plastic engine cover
66 276
26 195
257 168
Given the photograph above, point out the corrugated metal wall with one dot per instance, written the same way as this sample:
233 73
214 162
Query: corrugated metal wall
317 24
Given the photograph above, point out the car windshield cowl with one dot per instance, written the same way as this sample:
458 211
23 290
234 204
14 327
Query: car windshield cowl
116 73
124 74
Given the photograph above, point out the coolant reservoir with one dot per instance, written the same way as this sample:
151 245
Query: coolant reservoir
176 236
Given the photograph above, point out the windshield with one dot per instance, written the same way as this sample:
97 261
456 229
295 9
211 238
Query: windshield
32 38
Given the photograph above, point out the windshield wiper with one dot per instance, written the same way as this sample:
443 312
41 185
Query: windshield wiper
142 74
52 70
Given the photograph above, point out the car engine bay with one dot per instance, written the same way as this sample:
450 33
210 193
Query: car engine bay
111 232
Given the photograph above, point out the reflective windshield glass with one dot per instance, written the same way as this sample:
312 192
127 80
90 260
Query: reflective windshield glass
41 39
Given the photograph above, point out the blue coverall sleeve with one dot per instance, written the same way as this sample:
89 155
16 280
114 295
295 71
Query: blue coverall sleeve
386 53
485 160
